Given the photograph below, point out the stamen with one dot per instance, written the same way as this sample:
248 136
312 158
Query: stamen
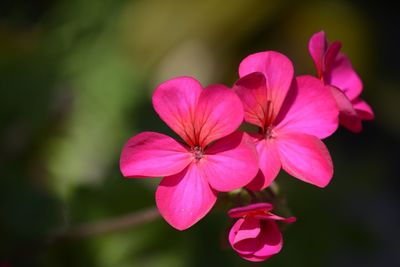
197 152
269 133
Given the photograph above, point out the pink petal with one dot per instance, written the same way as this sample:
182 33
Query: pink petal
278 72
309 108
306 158
331 54
252 91
364 111
343 76
317 46
350 122
185 198
274 217
252 208
219 113
269 163
175 102
235 228
232 234
348 117
247 246
230 163
267 243
334 66
153 154
250 228
270 239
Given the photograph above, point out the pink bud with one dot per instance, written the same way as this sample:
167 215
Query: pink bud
256 236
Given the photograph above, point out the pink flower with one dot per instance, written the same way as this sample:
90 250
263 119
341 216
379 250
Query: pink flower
292 116
256 236
212 158
334 69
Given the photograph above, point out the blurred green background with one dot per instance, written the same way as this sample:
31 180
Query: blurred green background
76 79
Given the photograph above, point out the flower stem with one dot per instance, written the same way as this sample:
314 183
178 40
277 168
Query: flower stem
108 225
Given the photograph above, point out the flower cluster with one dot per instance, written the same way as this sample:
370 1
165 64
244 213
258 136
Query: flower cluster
292 114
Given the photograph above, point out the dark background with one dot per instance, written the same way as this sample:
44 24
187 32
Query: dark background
76 79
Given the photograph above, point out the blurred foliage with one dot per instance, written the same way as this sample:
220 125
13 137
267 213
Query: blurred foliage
75 83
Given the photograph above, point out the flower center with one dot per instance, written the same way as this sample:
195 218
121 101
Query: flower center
269 133
197 152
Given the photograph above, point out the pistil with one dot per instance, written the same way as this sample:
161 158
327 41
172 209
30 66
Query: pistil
197 152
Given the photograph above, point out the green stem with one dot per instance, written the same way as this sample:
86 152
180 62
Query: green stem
108 225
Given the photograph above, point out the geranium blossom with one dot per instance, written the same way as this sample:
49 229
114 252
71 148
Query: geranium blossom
335 69
255 236
292 116
213 157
